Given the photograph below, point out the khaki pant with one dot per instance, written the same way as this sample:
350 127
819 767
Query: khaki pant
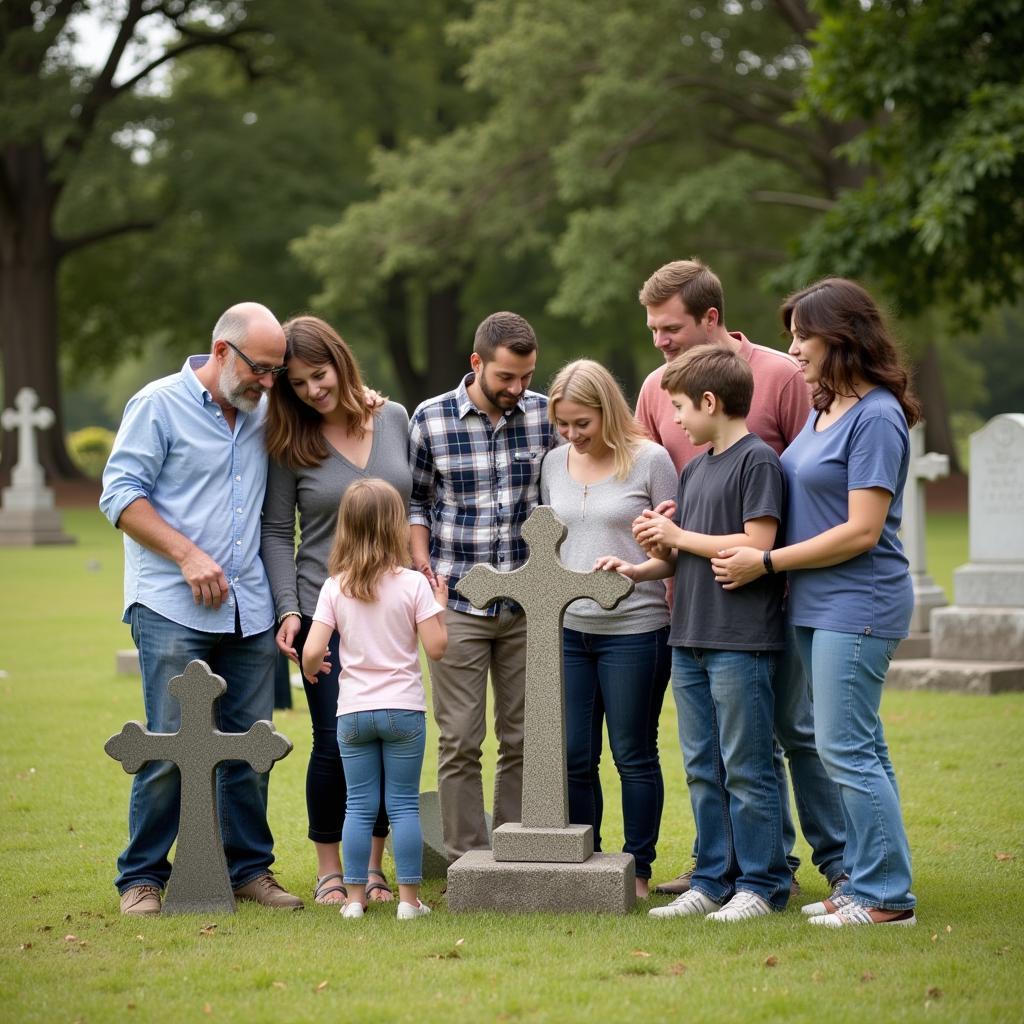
476 646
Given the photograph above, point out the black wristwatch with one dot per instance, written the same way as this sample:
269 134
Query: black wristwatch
766 558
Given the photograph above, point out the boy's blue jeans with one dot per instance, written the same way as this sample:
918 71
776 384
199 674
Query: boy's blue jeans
847 671
247 665
371 742
724 704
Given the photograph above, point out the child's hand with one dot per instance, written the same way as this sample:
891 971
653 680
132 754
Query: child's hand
736 567
612 564
650 529
440 587
324 669
666 508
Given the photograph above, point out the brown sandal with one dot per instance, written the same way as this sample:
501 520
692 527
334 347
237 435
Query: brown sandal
381 886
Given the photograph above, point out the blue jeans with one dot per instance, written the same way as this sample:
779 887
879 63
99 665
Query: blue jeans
847 671
620 678
247 665
818 803
391 742
724 704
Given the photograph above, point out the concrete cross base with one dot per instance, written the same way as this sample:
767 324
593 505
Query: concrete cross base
956 676
978 634
988 586
604 884
927 597
29 527
917 645
126 663
570 845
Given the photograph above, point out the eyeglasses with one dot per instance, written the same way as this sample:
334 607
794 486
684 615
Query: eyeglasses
258 368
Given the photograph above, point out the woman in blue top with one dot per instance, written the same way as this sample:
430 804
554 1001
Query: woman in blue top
850 593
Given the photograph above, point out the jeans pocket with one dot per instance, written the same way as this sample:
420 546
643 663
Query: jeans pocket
348 727
406 725
890 648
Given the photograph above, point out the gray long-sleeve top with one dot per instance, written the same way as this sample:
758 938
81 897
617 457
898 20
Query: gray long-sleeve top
296 577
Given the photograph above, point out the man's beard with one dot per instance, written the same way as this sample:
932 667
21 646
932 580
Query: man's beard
232 388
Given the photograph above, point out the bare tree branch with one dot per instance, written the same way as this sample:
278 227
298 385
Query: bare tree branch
796 14
65 246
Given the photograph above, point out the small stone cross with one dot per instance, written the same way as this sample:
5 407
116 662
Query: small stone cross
544 588
26 419
199 879
923 466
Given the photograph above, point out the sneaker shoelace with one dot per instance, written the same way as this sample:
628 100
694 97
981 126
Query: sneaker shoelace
744 904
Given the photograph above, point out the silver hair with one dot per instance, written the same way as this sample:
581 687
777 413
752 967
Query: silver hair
232 326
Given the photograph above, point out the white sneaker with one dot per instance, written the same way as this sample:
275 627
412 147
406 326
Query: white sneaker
689 904
407 911
742 906
829 906
352 910
856 913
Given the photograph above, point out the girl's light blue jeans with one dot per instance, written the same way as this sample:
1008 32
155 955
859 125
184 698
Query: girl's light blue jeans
391 742
847 671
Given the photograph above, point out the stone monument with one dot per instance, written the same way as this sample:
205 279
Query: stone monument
928 596
978 641
435 859
199 881
27 513
543 862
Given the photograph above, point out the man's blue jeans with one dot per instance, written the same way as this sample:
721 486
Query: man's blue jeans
621 679
847 671
247 666
724 704
391 742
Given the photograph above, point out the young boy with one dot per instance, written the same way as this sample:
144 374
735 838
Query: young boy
724 642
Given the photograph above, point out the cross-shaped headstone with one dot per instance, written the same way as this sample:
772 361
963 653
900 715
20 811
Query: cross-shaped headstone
199 879
544 588
26 418
924 466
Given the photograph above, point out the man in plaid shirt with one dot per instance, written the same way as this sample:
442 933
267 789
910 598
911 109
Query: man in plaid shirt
475 454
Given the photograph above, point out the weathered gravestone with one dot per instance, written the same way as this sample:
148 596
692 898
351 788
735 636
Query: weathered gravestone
199 881
543 862
27 513
928 596
978 641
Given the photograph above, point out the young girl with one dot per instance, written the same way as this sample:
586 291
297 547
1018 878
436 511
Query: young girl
616 662
378 608
850 593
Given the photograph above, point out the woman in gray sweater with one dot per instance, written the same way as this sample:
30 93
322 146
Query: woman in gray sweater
616 662
321 436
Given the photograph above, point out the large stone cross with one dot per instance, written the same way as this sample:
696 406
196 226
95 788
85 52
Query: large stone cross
924 466
199 881
544 588
26 418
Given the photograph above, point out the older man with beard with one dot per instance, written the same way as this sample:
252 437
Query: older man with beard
185 484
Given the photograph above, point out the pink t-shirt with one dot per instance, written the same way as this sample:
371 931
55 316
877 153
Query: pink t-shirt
380 662
778 410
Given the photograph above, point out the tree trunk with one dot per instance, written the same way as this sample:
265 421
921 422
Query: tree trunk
447 351
938 433
29 257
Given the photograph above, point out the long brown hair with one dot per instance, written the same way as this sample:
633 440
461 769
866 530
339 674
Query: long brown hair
858 345
371 538
293 430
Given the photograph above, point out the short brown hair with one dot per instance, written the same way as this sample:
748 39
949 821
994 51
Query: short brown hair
712 368
507 330
694 282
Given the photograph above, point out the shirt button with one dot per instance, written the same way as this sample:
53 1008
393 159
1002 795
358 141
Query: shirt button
235 580
238 478
238 510
238 542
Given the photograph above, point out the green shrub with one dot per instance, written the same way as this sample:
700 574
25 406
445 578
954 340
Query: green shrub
90 449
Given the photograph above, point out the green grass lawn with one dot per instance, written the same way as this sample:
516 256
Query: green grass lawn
67 955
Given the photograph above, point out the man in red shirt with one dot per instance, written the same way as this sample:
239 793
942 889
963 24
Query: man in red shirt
685 307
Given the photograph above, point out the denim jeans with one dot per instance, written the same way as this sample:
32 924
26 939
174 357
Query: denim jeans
724 705
847 671
247 666
818 803
391 742
621 679
325 776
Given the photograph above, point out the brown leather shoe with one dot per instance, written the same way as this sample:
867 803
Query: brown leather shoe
678 885
141 900
266 891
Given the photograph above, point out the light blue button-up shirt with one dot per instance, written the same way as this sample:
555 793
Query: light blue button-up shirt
175 449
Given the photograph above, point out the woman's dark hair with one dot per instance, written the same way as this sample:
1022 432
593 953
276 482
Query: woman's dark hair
858 345
292 434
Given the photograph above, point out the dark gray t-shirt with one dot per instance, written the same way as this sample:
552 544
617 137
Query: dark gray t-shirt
717 495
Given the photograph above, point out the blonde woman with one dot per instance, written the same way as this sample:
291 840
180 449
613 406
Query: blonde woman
617 663
380 609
